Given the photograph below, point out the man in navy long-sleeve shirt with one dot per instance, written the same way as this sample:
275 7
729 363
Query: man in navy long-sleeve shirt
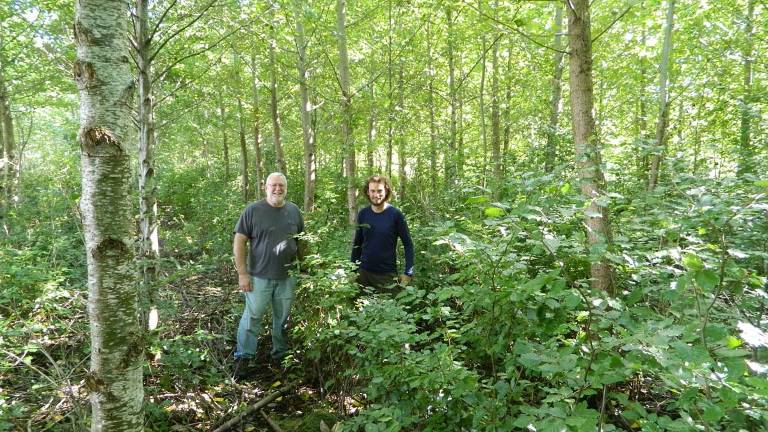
378 228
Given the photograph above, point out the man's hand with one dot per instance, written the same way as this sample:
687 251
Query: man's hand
404 279
244 282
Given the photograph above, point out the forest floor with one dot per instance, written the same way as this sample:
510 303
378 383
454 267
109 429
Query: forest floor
203 393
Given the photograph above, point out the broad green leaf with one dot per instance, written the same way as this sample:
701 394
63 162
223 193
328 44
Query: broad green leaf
692 262
493 212
707 279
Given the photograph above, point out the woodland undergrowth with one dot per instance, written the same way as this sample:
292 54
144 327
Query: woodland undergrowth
499 330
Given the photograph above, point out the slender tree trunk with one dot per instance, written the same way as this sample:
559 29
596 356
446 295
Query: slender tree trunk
245 183
308 133
149 246
661 124
257 188
507 112
746 150
224 142
481 102
401 153
279 156
586 143
346 108
553 132
495 116
641 122
103 77
371 125
390 95
9 162
450 156
432 125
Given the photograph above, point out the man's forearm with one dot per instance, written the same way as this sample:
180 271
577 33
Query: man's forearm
238 249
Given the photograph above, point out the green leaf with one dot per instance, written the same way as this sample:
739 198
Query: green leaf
707 279
692 262
734 342
493 212
552 243
477 199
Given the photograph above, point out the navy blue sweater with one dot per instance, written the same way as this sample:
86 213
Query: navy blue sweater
376 241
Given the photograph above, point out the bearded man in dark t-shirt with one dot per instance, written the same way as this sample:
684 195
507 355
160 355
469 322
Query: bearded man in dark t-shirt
270 226
375 245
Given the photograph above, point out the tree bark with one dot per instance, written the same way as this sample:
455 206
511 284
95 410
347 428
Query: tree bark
481 103
746 150
224 138
401 152
244 172
371 124
432 125
279 156
555 103
257 188
346 109
9 163
102 74
495 116
663 120
449 158
586 143
308 133
390 95
149 246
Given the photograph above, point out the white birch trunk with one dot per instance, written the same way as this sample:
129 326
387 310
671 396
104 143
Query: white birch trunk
102 74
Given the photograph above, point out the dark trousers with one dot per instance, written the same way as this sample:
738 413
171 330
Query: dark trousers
380 282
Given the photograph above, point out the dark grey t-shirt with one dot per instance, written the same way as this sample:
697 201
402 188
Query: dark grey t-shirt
272 235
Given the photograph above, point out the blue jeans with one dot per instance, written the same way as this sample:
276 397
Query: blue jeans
264 292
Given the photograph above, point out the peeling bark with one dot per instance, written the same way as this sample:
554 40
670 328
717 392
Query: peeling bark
106 94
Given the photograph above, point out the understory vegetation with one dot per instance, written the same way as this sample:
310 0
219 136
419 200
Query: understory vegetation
499 330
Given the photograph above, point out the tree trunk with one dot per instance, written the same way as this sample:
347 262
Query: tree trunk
346 109
556 95
224 142
432 125
507 113
106 87
481 102
245 183
449 157
746 151
308 133
390 95
663 120
279 156
257 188
401 153
586 143
9 162
371 125
149 246
495 116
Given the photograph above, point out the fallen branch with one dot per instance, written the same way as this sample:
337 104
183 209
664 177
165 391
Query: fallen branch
271 423
267 399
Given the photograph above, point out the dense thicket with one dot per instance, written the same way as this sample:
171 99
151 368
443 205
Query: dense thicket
465 105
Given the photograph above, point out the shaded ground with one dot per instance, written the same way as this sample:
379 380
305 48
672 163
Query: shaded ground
191 377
